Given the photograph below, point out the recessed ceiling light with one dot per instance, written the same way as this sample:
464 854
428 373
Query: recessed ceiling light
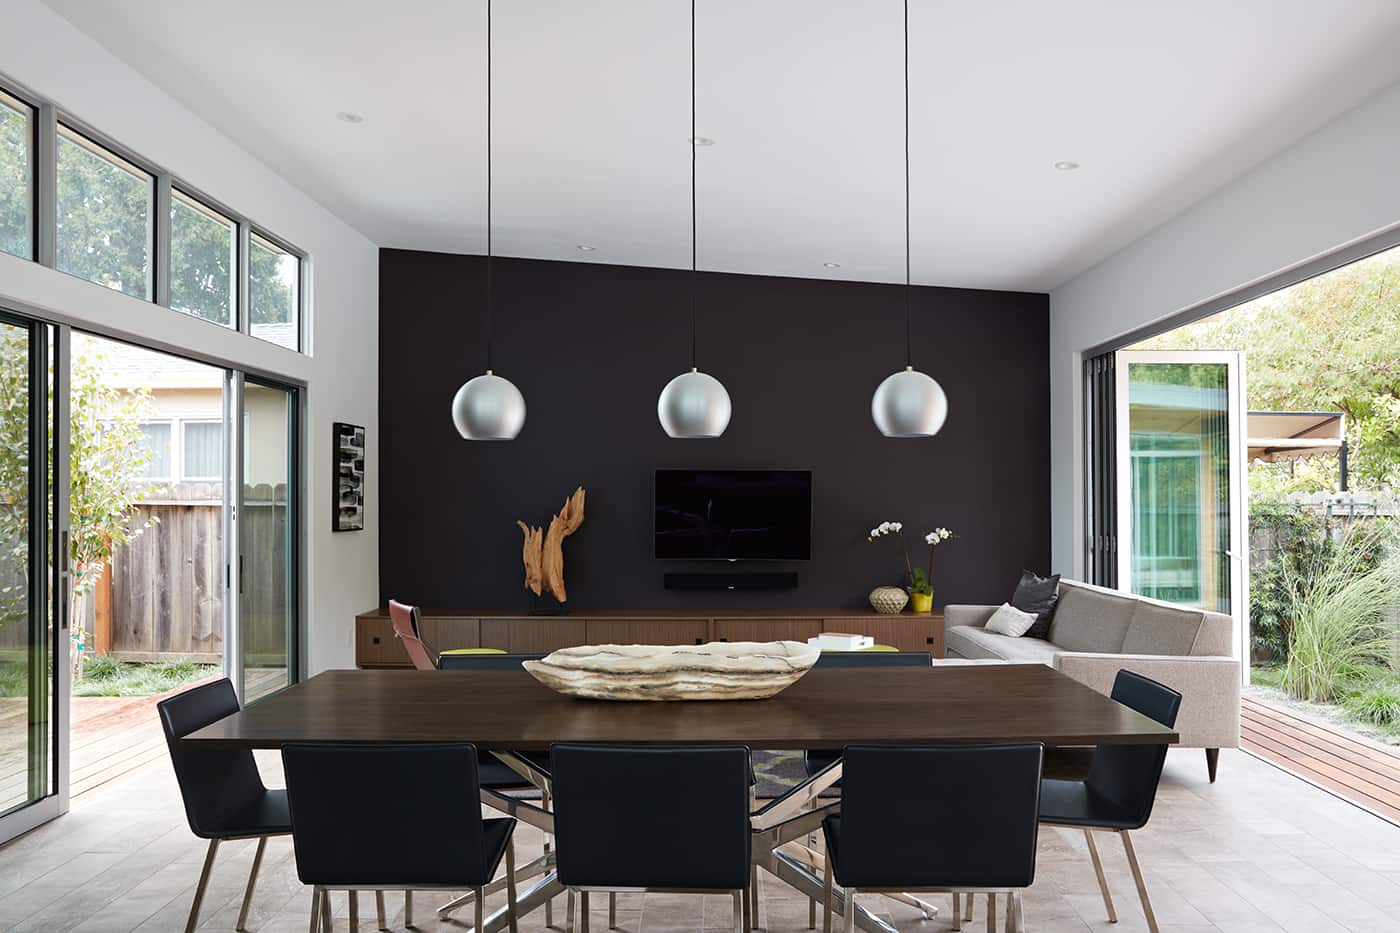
832 265
586 248
702 141
346 116
1066 165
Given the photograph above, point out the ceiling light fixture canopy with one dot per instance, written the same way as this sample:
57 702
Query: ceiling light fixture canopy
488 407
694 404
908 403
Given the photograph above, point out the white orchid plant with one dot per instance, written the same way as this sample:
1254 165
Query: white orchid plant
920 581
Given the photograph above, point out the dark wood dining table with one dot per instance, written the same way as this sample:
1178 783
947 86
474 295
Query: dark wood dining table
505 712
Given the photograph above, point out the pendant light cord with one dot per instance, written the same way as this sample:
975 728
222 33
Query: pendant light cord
694 266
908 278
490 291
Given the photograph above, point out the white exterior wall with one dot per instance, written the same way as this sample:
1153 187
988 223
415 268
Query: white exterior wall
1334 187
44 52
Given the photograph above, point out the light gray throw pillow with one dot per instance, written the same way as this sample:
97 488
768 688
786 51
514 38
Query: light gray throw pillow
1008 620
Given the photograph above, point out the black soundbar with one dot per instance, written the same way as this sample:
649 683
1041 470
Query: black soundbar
738 581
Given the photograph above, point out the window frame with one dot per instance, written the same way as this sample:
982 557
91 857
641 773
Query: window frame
22 102
46 120
276 242
78 135
174 456
184 477
181 192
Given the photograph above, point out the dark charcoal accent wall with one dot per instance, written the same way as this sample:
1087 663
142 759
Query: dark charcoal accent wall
590 346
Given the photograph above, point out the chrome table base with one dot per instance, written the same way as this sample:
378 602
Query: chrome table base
778 828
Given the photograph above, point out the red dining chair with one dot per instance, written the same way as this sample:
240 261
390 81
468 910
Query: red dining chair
405 620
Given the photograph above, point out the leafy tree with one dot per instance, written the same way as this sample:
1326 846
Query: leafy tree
104 220
1331 343
107 456
15 218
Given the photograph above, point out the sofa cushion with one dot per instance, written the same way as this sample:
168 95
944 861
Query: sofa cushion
1158 629
1091 619
1216 635
1037 595
965 641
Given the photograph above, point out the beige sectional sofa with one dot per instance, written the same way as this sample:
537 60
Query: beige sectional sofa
1097 632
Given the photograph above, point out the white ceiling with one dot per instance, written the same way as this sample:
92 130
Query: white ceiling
1161 103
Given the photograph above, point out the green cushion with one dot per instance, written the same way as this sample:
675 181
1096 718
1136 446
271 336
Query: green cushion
473 651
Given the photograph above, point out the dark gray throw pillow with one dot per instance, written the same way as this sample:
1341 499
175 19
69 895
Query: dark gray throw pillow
1039 595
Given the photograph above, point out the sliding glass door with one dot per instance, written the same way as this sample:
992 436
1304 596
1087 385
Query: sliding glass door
33 643
267 538
1180 451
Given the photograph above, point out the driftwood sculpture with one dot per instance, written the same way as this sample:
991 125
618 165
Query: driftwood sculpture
544 552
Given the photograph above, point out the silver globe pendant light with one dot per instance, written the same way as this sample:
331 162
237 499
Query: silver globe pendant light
909 403
488 407
694 404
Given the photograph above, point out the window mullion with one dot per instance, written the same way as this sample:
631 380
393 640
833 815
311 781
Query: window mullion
245 283
46 186
162 258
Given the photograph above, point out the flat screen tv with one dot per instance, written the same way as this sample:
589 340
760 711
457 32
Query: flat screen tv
733 514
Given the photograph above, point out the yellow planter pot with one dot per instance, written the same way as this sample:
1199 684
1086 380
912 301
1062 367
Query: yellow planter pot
921 602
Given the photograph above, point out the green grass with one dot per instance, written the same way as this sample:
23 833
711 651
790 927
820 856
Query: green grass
108 677
1377 703
1270 675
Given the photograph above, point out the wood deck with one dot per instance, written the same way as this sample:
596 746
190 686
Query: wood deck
111 736
1363 772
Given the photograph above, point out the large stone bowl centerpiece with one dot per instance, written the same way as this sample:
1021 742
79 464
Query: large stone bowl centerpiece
741 670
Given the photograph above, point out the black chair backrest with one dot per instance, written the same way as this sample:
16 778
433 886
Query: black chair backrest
1127 775
656 817
386 814
941 816
483 662
214 782
874 659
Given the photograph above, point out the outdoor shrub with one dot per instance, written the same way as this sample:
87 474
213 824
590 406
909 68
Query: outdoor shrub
1378 703
1302 544
178 671
1336 627
102 667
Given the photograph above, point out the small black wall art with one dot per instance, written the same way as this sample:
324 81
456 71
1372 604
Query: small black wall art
348 484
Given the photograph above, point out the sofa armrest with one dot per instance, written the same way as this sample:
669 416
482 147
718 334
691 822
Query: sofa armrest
975 616
1209 688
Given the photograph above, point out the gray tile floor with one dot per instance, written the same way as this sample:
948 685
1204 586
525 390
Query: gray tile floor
1258 851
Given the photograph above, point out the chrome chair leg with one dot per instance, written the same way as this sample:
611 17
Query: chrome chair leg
957 911
408 908
327 921
826 898
315 909
849 910
549 904
510 889
738 911
1019 904
612 910
480 912
202 886
354 898
1137 878
569 913
242 924
379 908
583 911
1010 913
971 900
991 913
747 898
811 913
1098 873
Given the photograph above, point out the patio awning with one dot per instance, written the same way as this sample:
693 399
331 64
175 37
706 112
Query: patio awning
1275 436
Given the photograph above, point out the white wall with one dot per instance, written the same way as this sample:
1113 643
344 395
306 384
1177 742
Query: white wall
44 52
1336 186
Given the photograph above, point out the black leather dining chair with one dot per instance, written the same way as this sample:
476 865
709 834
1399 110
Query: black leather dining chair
1118 794
223 793
653 818
957 818
424 830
